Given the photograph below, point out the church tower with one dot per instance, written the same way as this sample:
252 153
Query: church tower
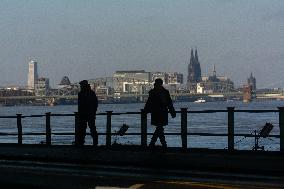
191 68
252 82
198 68
194 71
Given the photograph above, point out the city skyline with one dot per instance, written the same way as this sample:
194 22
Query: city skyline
85 40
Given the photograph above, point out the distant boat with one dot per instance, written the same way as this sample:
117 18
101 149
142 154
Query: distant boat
200 100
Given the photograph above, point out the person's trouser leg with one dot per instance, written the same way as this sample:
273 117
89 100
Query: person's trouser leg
93 130
80 136
154 137
161 135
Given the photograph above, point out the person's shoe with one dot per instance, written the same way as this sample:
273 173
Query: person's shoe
95 141
78 145
152 146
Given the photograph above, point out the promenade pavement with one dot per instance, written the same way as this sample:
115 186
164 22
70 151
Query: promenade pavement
34 166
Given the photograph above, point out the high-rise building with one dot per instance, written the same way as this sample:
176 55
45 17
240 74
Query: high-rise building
33 75
194 71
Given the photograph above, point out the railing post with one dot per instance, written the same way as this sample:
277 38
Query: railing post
108 129
48 128
281 128
231 129
77 122
184 128
143 128
20 128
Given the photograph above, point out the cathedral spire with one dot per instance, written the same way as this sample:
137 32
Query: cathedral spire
191 56
196 55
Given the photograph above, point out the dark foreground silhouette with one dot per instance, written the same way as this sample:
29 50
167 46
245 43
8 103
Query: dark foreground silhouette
158 104
87 108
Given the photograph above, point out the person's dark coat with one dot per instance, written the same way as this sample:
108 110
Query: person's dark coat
158 104
87 103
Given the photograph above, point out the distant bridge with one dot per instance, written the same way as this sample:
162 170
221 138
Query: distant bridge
124 95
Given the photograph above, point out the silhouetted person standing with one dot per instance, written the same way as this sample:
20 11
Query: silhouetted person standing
87 108
158 104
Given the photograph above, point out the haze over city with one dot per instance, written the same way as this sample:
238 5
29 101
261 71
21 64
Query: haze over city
90 39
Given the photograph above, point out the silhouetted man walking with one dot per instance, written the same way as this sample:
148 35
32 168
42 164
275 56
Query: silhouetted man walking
158 104
87 108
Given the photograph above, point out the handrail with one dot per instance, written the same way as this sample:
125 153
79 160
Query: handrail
137 113
184 126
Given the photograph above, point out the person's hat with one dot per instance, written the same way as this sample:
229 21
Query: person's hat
159 81
84 83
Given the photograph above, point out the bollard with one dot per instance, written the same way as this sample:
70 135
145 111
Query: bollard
108 129
48 128
143 128
184 128
20 128
77 125
231 128
281 128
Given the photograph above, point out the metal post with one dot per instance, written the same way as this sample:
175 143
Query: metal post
231 132
281 128
143 128
48 128
77 125
20 128
184 128
108 129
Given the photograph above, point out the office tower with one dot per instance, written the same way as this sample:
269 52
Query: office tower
32 76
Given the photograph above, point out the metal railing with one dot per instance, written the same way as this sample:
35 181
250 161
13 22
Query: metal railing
143 134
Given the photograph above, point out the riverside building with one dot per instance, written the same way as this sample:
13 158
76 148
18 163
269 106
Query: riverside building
194 72
42 87
215 84
140 81
206 84
32 75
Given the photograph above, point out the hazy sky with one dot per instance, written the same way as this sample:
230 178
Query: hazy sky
89 39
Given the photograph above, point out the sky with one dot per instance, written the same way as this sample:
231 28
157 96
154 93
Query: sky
92 39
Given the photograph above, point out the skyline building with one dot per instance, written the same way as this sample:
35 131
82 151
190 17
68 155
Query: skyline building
42 86
194 71
32 75
209 84
65 82
215 84
252 82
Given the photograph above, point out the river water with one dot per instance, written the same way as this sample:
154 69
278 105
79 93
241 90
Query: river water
245 123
